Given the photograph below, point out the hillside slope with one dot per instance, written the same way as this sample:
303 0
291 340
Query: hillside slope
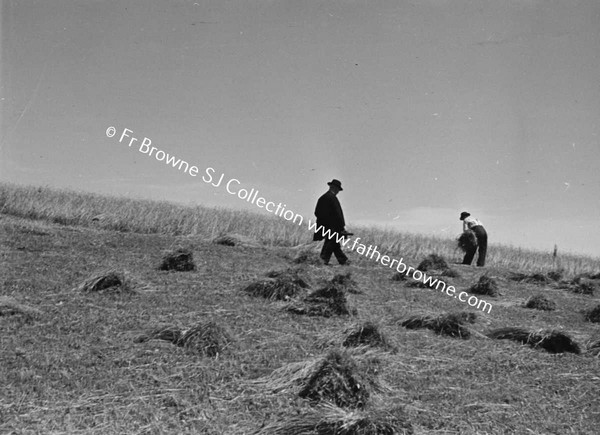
76 363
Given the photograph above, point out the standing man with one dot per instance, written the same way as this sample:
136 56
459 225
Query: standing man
330 217
476 226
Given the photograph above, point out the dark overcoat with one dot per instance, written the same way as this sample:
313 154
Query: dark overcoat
329 215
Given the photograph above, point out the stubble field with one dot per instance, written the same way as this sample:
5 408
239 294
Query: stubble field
74 362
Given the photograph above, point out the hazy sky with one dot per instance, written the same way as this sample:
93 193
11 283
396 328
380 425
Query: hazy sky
422 109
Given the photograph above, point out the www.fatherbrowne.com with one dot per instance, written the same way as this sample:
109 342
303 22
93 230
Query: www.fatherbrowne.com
401 267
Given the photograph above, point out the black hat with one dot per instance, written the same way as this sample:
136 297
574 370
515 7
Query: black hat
464 214
335 183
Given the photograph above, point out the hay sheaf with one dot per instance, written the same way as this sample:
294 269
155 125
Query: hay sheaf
555 275
467 241
333 420
418 284
327 301
398 276
337 380
552 341
345 281
280 288
308 256
367 334
9 307
593 347
485 286
451 273
593 315
581 285
451 324
207 338
108 281
166 333
432 262
540 302
236 240
180 260
296 275
336 377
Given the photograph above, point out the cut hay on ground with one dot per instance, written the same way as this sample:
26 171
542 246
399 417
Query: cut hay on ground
432 262
552 341
180 260
467 241
336 378
367 334
236 240
593 315
327 301
485 286
534 278
9 307
332 420
282 288
206 338
451 324
540 302
109 281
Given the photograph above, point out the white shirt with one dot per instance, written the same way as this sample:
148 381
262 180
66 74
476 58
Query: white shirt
470 222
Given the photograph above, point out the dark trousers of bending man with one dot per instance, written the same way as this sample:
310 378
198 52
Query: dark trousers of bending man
481 235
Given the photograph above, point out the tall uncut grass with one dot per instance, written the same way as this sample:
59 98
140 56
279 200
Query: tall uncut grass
143 216
68 207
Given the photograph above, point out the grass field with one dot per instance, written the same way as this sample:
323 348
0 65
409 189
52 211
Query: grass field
72 361
155 217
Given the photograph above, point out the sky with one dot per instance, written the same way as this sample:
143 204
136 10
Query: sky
423 109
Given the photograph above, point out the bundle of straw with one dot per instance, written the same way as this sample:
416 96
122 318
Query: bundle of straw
332 420
280 288
110 280
467 241
540 302
552 341
337 377
451 324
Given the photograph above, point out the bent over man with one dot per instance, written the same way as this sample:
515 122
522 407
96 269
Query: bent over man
475 225
330 217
